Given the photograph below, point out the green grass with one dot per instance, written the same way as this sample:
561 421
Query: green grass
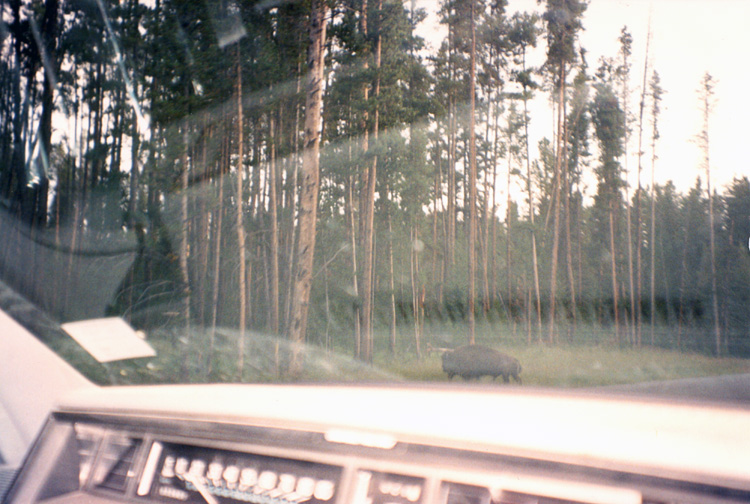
568 365
587 358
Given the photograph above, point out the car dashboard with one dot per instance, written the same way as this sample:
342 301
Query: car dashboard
369 444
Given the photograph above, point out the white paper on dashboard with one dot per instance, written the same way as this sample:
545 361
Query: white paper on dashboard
109 339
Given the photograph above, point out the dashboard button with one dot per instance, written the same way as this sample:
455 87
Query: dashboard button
267 480
305 487
232 475
324 490
168 470
181 466
286 483
215 472
197 468
248 478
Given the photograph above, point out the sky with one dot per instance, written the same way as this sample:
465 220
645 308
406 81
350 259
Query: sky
689 38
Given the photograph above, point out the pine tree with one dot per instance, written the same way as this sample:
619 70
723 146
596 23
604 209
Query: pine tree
609 126
563 18
706 93
656 96
308 205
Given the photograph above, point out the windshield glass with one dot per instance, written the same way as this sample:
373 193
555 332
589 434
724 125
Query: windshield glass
549 193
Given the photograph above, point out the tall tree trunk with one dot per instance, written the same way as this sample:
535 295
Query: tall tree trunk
472 182
684 272
242 279
656 97
534 261
707 94
652 247
308 205
415 290
437 196
493 213
184 236
218 216
557 194
509 230
625 51
568 237
362 327
273 210
638 226
452 141
49 61
368 230
613 264
96 166
631 284
352 231
293 204
392 283
485 235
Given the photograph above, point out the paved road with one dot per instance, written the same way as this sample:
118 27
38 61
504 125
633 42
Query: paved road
732 389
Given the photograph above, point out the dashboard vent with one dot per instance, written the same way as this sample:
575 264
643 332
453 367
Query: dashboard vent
6 478
523 489
114 468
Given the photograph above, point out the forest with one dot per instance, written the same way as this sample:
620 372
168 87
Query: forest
308 170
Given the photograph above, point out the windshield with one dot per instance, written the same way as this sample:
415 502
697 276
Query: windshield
549 193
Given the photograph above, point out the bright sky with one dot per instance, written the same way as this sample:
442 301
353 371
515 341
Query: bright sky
689 37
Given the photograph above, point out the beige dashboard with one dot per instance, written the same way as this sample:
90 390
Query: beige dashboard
309 444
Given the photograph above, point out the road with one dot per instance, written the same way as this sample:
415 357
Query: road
723 389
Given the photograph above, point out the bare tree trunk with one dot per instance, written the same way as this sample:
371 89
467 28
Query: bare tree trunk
613 254
509 232
452 141
656 97
392 283
272 209
308 205
568 236
415 295
486 245
557 193
535 265
201 238
652 242
368 251
293 206
628 217
218 234
437 196
638 226
242 279
133 199
351 225
683 274
362 324
493 213
631 284
707 94
185 224
472 181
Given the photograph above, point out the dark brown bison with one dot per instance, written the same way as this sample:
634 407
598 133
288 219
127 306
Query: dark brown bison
475 361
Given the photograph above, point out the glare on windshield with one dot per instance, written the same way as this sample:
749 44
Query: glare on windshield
522 192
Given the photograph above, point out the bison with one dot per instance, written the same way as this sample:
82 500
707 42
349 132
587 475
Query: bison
475 361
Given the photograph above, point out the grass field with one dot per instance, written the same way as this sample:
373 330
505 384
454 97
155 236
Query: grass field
584 366
588 360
